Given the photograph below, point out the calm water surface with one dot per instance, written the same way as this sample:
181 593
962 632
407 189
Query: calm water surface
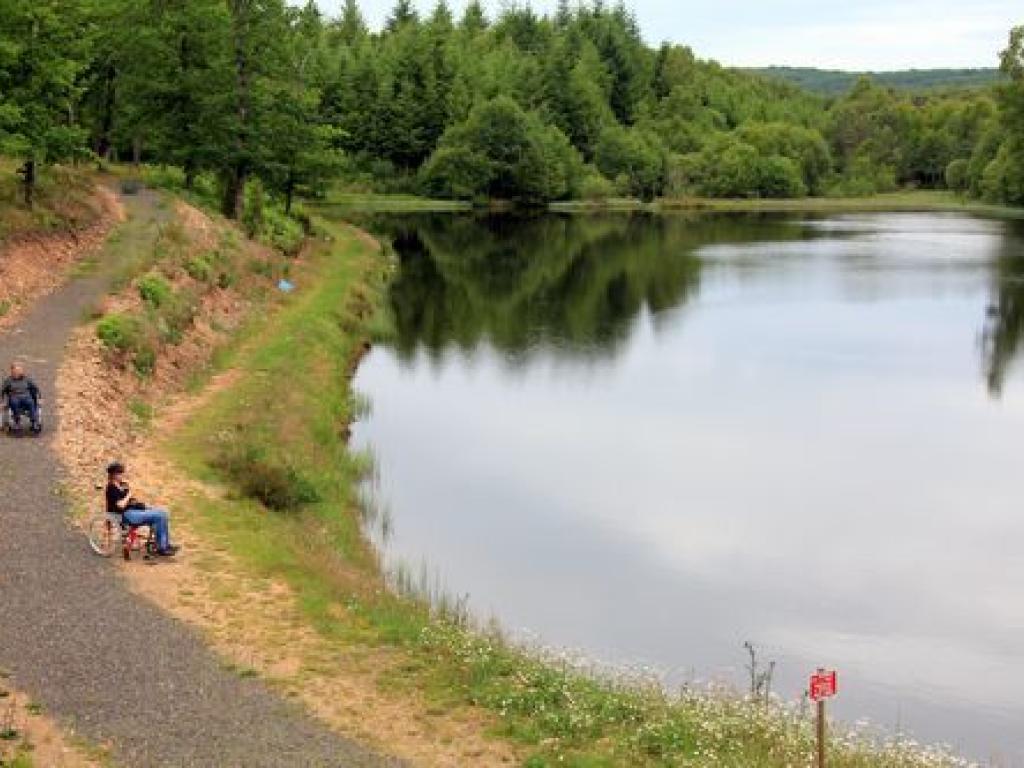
653 439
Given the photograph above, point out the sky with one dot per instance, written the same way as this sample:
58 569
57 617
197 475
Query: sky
830 34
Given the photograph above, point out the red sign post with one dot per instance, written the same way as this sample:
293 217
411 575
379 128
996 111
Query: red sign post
822 687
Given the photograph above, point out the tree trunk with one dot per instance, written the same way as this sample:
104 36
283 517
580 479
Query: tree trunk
190 174
137 152
28 174
103 142
289 192
233 202
241 177
234 198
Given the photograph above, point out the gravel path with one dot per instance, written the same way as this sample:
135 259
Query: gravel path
109 664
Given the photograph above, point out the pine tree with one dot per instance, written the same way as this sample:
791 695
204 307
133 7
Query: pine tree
563 14
474 20
402 15
352 26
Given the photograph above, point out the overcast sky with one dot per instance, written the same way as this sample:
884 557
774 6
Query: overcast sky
833 34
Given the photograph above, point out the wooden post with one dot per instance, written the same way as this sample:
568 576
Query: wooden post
821 733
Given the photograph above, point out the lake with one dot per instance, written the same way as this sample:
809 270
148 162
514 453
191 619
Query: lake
652 439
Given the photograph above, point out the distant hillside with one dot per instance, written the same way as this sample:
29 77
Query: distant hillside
833 82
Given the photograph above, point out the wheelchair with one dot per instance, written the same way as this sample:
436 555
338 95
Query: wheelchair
18 425
108 532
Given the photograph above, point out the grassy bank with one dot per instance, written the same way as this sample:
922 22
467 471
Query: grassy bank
274 441
913 201
905 201
375 203
63 200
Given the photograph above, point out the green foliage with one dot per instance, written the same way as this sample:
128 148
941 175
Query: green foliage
175 316
635 156
1002 179
252 213
254 103
276 484
805 147
199 268
155 291
594 187
501 151
42 55
957 175
126 337
457 172
834 83
282 232
119 332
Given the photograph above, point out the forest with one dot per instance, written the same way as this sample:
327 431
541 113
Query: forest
831 82
525 108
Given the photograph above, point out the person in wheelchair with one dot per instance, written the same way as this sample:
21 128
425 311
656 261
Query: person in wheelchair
134 512
22 396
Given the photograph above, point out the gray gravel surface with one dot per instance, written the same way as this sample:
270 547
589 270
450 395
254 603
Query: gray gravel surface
107 663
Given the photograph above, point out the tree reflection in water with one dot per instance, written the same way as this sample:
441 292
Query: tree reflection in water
572 282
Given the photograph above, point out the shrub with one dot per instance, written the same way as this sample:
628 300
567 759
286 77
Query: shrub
503 152
282 232
455 172
155 291
119 332
126 336
276 484
595 187
637 156
779 177
226 279
957 178
729 168
252 212
176 315
199 268
144 360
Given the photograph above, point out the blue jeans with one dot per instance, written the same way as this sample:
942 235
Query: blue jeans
27 405
154 518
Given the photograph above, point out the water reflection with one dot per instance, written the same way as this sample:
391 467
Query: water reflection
578 283
789 443
1005 327
573 283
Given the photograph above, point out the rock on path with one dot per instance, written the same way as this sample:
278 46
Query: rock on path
100 659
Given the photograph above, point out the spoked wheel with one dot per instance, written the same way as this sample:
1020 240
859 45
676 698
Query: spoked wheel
104 536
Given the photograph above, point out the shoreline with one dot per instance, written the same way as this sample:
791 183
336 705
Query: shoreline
590 718
916 201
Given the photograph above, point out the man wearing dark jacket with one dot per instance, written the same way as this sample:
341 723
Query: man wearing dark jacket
22 395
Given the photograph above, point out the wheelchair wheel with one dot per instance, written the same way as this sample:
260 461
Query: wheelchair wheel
104 535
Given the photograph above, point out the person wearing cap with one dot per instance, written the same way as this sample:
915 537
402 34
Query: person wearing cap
134 512
22 395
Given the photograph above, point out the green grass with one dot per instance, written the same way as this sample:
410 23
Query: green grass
908 201
62 199
560 715
376 203
905 201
